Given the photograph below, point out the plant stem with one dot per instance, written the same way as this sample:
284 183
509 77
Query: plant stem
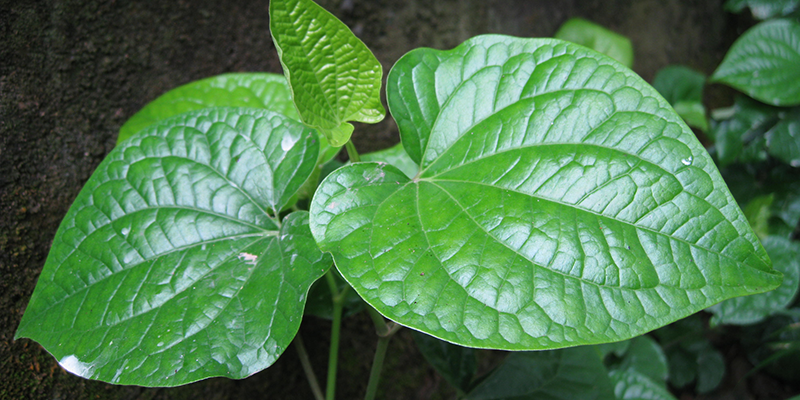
312 378
333 357
351 151
385 332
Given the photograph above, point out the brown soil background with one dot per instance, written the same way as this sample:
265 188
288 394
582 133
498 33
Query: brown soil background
72 71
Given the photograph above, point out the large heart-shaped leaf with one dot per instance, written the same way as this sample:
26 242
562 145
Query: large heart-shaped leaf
568 374
560 202
333 76
763 63
171 265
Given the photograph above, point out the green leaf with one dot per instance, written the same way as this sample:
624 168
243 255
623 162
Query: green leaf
333 76
763 9
616 348
710 370
691 356
170 267
568 374
560 202
646 357
758 214
259 90
456 364
678 83
783 140
693 113
632 385
763 63
598 38
395 156
785 255
749 122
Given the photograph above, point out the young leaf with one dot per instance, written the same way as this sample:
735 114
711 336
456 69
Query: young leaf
785 255
259 90
333 76
646 357
678 83
171 266
598 38
763 63
568 374
560 202
456 364
632 385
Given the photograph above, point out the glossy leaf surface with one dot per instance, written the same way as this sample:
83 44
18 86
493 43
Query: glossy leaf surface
560 202
333 76
259 90
632 385
455 363
568 374
785 255
763 63
598 38
170 267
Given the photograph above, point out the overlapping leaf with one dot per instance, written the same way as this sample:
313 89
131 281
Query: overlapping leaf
596 37
333 76
560 201
763 63
632 385
764 9
171 266
258 90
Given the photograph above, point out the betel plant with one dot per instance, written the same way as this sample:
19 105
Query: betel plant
544 197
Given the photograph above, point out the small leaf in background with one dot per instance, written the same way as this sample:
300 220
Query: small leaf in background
632 385
758 213
257 90
785 255
560 201
597 38
395 156
678 83
171 265
334 77
746 126
618 349
782 182
568 374
764 9
774 345
455 363
683 88
763 63
646 357
690 355
783 140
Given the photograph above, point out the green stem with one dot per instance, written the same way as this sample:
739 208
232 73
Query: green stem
304 361
351 151
333 357
385 332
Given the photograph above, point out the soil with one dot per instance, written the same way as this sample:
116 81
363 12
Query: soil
72 71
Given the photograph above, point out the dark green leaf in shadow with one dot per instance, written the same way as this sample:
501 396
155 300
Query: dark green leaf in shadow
646 357
632 385
758 212
171 265
568 374
783 140
763 9
678 83
746 127
455 363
